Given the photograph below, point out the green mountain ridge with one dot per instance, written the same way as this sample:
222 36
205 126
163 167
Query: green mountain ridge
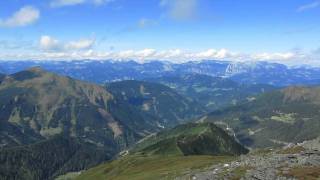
171 153
276 118
190 139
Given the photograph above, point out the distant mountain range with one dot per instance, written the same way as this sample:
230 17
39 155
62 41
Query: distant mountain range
107 71
273 74
276 118
212 92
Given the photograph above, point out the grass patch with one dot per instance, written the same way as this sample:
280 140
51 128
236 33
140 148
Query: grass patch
261 152
285 118
239 172
292 150
68 176
152 167
304 173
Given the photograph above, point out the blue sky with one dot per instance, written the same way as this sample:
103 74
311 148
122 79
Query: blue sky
285 31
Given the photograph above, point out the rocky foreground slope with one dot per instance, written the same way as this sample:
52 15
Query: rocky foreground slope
300 161
293 162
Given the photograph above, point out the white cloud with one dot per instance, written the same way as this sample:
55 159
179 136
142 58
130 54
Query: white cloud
23 17
180 9
146 53
56 50
213 53
274 56
61 3
49 43
80 44
131 54
176 55
309 6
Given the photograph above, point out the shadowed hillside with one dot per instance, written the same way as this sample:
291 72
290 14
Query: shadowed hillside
49 158
156 101
2 76
36 105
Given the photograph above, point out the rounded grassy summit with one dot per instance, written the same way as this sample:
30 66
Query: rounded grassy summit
190 139
171 153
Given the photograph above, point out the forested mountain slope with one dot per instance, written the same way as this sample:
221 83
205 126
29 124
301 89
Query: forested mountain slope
274 118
